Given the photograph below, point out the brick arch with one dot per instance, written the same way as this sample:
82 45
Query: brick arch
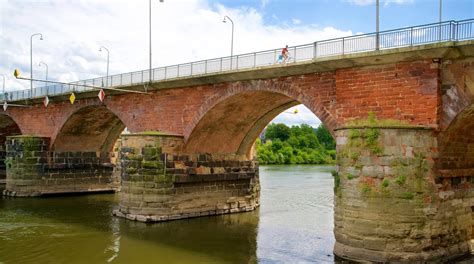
456 142
92 127
270 97
8 127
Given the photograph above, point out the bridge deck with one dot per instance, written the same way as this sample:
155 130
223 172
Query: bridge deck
439 40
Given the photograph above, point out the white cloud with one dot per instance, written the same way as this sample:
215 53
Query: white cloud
296 21
304 115
183 31
263 3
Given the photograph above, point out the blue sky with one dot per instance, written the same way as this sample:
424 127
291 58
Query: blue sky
357 15
185 31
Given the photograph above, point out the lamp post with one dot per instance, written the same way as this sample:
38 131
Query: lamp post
231 40
107 76
440 18
46 65
440 10
31 59
149 9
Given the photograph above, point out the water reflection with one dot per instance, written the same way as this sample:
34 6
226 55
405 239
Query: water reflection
294 224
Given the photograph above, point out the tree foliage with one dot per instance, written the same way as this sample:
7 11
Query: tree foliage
296 145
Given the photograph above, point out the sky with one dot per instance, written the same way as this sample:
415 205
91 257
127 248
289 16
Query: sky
185 31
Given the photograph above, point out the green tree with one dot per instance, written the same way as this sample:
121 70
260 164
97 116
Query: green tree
325 138
295 145
277 131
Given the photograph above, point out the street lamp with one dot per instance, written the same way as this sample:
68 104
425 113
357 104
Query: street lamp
232 38
440 10
31 59
46 65
107 78
149 9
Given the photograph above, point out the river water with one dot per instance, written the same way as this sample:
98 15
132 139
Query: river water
293 225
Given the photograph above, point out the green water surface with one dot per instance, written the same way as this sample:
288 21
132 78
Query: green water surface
293 225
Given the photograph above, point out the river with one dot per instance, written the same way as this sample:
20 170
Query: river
293 224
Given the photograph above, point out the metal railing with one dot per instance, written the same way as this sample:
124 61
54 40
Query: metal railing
403 37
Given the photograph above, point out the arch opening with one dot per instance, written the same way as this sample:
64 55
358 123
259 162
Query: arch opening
457 142
232 125
90 129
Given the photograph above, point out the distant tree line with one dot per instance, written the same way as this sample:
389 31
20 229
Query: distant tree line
296 145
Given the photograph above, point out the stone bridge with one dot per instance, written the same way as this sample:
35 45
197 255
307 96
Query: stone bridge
403 120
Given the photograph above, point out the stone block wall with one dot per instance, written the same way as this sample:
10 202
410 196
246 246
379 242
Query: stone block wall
157 186
3 172
388 204
32 170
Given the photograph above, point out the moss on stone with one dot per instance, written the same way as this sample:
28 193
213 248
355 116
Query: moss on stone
133 157
408 195
131 170
401 179
337 181
152 164
149 151
366 189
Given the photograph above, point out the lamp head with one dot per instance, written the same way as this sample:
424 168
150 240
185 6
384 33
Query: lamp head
224 21
100 49
41 36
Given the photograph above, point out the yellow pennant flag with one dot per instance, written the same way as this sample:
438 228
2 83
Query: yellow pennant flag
72 98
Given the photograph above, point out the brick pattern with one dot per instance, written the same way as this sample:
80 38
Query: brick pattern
34 171
157 186
403 91
408 91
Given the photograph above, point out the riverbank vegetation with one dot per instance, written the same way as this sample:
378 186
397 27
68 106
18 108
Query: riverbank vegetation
296 145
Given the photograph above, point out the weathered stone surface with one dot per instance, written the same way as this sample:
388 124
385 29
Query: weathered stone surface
391 209
33 171
189 186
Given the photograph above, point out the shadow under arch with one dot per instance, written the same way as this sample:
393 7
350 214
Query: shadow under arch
456 143
231 125
89 129
8 127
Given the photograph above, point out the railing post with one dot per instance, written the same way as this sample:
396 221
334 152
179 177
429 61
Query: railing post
178 71
220 65
255 59
453 31
237 66
205 67
343 46
275 58
191 69
121 79
315 50
294 57
411 36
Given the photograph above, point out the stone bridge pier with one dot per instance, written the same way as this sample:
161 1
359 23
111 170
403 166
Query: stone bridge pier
160 183
403 121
